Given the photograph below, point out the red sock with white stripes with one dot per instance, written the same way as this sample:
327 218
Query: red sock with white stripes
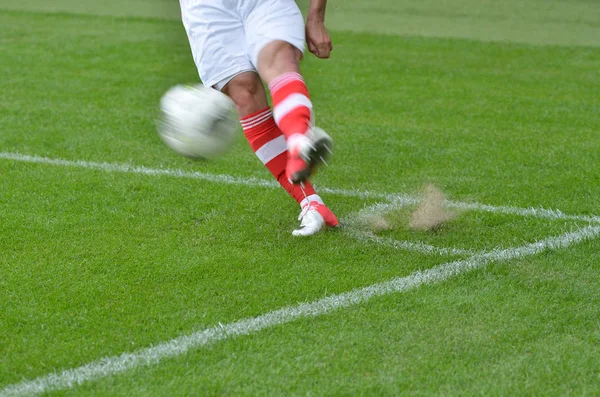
292 108
269 145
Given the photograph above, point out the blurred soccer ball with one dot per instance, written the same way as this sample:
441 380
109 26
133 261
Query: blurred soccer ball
197 122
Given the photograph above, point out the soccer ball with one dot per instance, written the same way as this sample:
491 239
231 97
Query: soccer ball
197 122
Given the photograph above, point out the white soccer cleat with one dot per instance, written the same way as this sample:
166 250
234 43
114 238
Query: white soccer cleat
314 218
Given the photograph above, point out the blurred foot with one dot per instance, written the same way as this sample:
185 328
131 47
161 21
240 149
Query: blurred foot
306 152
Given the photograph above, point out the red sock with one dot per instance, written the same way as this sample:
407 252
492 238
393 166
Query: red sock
292 108
267 141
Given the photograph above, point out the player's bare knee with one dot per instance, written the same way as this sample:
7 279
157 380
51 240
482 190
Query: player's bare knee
247 92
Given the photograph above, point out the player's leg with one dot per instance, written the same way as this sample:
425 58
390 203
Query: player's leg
275 31
269 145
265 138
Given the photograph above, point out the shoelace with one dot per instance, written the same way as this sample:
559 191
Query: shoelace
304 212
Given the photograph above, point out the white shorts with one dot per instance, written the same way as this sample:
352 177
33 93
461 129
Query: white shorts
226 36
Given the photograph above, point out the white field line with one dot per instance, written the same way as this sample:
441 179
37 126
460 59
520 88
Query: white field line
532 212
398 199
363 236
176 347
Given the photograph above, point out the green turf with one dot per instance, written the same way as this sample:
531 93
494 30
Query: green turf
489 333
95 263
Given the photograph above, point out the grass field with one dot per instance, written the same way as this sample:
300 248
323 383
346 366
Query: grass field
127 270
